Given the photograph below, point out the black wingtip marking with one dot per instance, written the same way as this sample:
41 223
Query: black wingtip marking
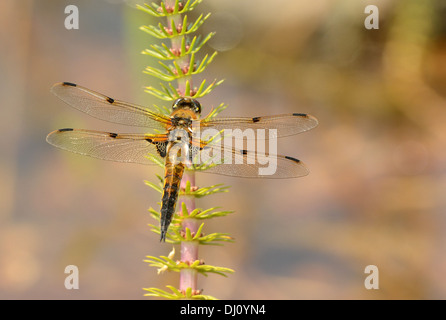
293 159
65 130
300 115
70 84
113 135
110 100
256 119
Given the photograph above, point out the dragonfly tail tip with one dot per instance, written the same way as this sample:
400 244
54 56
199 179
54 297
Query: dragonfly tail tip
163 236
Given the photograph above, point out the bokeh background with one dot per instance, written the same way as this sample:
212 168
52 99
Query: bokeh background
375 195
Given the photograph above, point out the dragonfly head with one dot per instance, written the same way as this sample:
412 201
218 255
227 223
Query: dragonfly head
187 104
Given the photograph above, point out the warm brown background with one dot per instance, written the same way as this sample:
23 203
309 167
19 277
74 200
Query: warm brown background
375 195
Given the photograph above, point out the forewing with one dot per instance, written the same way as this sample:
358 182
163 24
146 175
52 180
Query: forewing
105 108
285 124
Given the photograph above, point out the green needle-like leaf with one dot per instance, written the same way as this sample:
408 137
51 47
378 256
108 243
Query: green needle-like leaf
198 233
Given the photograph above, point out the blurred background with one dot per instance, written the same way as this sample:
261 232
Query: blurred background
375 194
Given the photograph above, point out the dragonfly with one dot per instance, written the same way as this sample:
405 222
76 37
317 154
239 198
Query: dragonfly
177 152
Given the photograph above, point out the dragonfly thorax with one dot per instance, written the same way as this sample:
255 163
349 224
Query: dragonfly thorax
181 122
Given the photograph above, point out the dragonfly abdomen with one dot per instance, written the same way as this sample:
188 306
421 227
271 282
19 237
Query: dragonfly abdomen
172 181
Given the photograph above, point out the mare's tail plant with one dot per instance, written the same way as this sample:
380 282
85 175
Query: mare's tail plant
179 61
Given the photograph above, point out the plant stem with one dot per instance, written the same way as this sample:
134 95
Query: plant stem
189 249
176 45
182 53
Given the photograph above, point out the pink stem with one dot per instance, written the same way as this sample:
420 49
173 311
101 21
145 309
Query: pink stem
189 249
176 45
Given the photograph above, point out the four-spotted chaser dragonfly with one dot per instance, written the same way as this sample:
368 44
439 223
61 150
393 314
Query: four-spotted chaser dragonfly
161 144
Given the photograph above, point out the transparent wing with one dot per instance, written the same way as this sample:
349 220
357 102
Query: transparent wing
247 164
105 108
285 124
135 148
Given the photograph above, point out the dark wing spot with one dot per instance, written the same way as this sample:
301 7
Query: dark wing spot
161 147
69 84
66 129
300 115
244 151
113 135
110 100
292 159
149 140
256 119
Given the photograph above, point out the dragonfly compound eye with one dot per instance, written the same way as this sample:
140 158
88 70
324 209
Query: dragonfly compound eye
177 103
197 106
